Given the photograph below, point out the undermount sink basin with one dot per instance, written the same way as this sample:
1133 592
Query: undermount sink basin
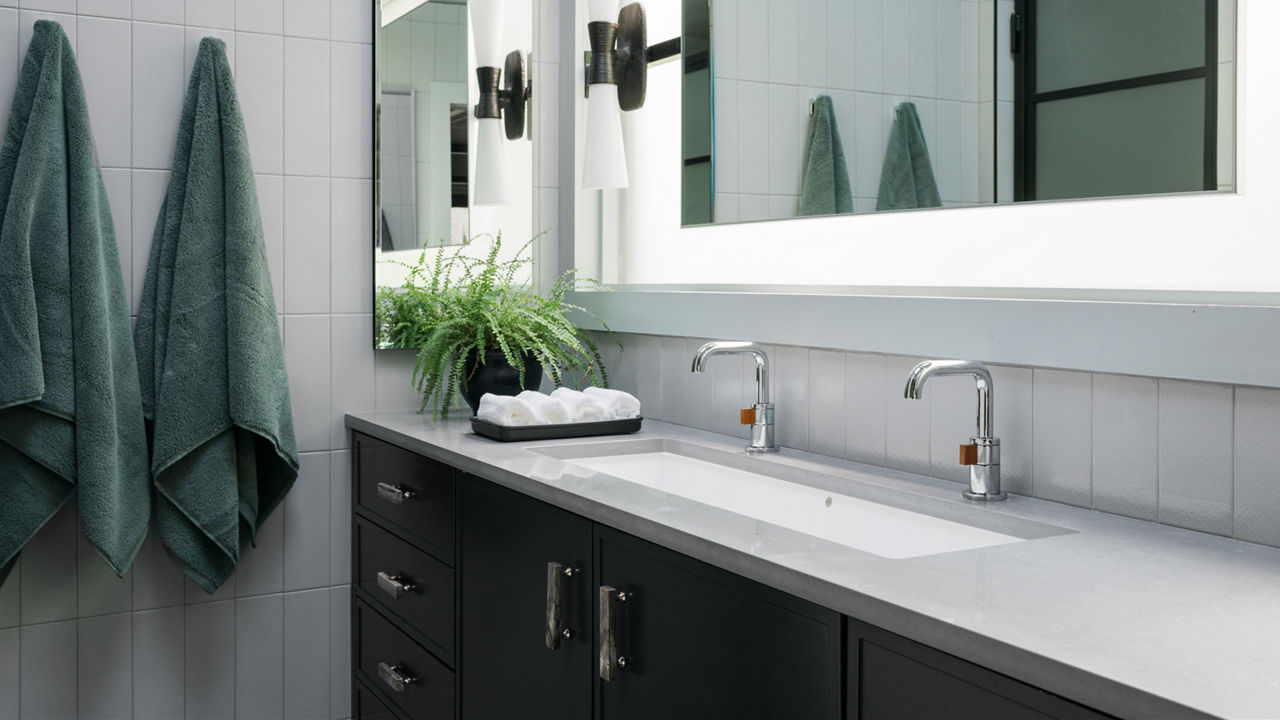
705 476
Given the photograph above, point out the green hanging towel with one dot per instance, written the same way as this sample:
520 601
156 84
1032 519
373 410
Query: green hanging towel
70 410
825 188
214 388
906 182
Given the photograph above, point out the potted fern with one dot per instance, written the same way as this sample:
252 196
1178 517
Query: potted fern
478 328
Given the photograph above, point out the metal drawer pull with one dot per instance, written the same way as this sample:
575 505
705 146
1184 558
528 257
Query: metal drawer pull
397 586
397 677
611 600
557 588
394 494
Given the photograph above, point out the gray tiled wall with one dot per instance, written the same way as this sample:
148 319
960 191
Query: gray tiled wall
1202 456
75 641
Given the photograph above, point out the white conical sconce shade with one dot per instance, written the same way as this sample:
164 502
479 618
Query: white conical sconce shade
605 162
486 30
490 185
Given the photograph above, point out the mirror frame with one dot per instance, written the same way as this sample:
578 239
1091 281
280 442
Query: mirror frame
1184 326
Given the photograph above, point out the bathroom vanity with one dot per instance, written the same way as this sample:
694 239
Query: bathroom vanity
509 581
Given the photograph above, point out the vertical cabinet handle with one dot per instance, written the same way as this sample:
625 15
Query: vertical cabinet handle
611 660
394 494
397 586
397 677
557 591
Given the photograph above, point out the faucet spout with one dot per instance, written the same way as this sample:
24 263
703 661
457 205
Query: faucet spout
982 454
760 415
755 350
921 374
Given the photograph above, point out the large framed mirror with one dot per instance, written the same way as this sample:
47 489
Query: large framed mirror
865 106
428 198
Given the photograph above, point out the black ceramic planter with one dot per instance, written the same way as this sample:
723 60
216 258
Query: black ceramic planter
498 377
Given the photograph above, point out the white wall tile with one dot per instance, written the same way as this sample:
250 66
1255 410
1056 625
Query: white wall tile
392 375
791 395
306 245
261 567
753 135
869 134
159 664
1125 437
53 6
972 53
753 34
828 405
103 55
306 106
813 27
10 672
105 667
11 54
646 355
869 44
306 654
1196 456
260 91
157 581
727 166
351 123
105 8
786 139
271 208
699 389
1013 421
306 532
158 87
260 16
340 652
864 388
1062 418
726 374
724 38
259 657
27 20
339 517
48 690
896 52
906 421
11 596
949 58
674 359
219 14
118 183
158 11
148 190
306 352
353 385
303 19
783 47
1257 465
211 660
546 124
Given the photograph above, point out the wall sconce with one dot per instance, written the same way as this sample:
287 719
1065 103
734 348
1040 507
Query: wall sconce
616 80
503 102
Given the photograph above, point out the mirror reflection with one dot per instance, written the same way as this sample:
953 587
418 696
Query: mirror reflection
812 107
421 166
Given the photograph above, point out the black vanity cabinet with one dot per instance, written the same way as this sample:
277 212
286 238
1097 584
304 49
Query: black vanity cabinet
693 641
892 678
526 651
474 601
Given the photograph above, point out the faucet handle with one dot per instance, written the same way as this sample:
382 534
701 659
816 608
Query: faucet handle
969 454
748 416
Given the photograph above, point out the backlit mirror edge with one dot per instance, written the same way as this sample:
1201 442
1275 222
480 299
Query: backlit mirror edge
1232 341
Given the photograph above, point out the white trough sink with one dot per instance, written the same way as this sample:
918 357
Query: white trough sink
871 527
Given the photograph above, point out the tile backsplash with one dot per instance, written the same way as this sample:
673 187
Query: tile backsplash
1202 456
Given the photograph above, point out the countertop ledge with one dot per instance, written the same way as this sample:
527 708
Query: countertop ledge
1129 617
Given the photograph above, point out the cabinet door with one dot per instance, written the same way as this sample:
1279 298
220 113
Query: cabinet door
700 643
892 678
508 670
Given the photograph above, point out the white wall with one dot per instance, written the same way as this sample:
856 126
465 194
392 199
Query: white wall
74 640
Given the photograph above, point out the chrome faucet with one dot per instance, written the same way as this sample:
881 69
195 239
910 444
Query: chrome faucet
760 415
982 454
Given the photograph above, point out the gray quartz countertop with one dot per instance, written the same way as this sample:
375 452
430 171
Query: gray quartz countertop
1129 617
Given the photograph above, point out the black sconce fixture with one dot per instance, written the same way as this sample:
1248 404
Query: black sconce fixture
618 69
507 99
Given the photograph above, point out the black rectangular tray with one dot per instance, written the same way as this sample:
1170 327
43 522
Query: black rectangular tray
520 433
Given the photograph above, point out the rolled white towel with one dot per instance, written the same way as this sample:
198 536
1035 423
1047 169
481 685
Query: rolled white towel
583 407
505 410
546 410
621 404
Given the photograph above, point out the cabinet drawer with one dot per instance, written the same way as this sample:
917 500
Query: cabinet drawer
369 707
413 587
407 491
418 684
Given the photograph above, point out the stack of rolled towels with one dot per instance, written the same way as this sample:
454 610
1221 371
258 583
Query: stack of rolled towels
560 407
